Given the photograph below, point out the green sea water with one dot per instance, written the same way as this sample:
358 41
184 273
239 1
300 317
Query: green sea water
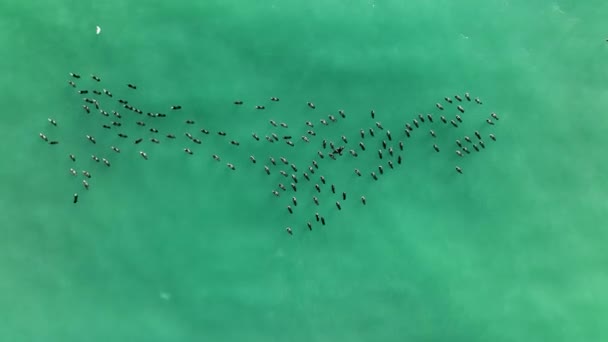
184 249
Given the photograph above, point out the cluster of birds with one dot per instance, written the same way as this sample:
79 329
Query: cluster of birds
301 180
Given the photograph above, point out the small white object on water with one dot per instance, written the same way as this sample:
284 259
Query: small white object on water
98 30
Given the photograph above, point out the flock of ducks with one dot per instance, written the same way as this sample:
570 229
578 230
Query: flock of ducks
303 185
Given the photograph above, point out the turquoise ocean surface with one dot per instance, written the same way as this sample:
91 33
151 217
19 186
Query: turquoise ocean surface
179 247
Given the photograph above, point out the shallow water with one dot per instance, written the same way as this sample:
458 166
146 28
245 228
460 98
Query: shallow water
178 248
